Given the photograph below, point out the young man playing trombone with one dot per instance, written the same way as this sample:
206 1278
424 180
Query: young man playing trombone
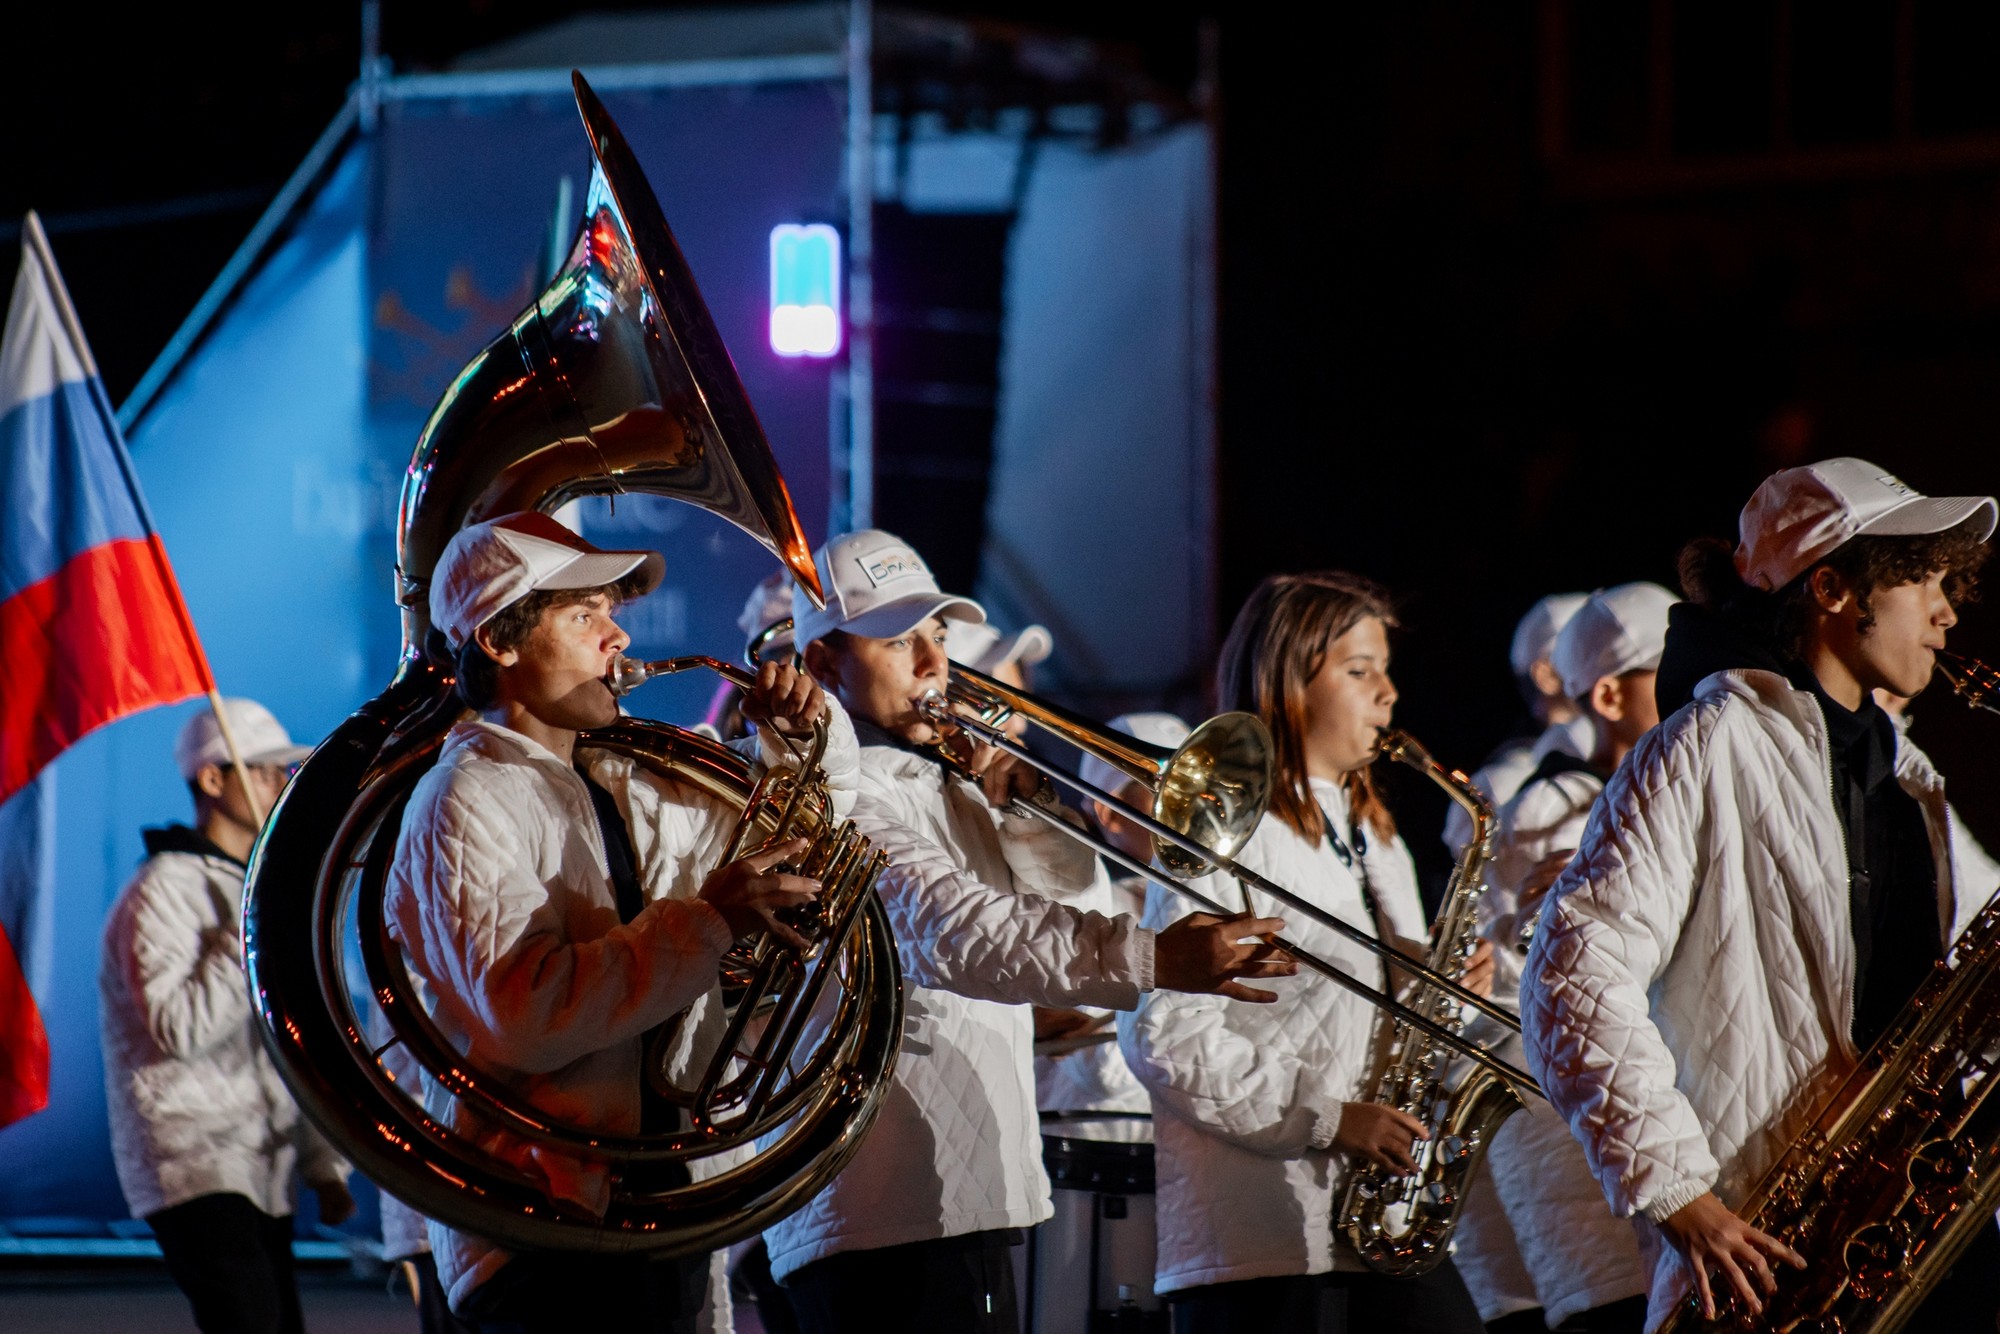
915 1234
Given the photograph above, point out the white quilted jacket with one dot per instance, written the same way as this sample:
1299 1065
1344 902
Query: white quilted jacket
1504 772
1574 1251
972 895
1688 997
1096 1078
1246 1098
196 1106
502 899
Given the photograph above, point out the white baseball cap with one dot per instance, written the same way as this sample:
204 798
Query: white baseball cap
1800 516
1535 634
982 647
1617 630
491 566
769 603
1162 729
876 587
261 737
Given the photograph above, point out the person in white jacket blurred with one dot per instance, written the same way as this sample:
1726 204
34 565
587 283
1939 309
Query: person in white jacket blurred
916 1232
1561 728
204 1134
1582 1261
1092 1087
560 902
1258 1114
1767 878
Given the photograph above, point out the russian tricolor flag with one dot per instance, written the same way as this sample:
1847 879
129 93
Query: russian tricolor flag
92 626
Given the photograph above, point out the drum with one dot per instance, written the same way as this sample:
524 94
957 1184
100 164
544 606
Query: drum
1090 1267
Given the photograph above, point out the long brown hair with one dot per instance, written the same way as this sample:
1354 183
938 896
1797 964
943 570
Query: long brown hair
1275 648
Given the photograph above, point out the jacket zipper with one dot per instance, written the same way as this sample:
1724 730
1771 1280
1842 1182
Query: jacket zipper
1846 853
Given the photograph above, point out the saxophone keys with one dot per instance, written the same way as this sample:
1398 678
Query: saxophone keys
1437 1195
1938 1173
1876 1257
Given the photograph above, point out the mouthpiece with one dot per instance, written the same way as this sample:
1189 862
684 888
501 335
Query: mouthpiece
628 674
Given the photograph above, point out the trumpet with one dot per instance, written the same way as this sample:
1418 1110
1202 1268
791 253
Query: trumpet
1198 787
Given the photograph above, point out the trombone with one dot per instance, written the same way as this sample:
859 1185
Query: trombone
1208 784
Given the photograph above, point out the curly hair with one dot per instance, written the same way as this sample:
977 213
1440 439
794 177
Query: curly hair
477 673
1275 648
1866 564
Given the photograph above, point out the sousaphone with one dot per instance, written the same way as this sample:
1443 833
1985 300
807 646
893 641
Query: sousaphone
613 380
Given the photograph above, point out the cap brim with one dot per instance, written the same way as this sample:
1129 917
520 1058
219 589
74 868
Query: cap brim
899 617
1030 645
594 569
1932 514
284 756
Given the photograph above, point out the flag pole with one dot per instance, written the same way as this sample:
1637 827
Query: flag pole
236 759
37 240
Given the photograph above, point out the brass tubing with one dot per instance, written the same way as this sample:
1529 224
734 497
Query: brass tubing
1520 1079
1389 954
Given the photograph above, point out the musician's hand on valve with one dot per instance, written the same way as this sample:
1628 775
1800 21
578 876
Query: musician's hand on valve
1712 1238
1479 969
1381 1136
1206 953
784 699
750 893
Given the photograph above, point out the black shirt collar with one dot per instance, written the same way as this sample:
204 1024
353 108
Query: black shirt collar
1863 739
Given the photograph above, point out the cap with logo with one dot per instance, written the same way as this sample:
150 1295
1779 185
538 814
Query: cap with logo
877 588
261 737
983 648
1617 630
1162 729
1535 633
1800 516
490 566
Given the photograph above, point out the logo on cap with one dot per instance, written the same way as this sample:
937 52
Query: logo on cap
892 565
1898 485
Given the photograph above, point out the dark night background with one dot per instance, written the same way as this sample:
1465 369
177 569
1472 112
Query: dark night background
1515 297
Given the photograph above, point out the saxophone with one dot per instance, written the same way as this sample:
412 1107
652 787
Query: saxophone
1892 1181
1402 1225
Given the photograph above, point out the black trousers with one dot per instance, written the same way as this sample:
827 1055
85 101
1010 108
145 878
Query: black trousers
551 1293
1625 1316
233 1262
956 1285
1342 1303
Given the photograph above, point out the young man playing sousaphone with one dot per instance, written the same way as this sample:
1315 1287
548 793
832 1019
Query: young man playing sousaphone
558 902
1766 880
915 1233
